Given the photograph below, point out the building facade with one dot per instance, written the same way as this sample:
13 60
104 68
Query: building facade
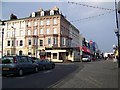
46 30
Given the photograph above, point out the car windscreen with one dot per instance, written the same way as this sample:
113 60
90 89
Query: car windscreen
7 60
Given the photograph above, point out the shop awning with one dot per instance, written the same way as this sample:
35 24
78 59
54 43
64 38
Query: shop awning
85 49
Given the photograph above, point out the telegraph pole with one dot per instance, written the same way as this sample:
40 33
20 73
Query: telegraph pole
117 10
119 34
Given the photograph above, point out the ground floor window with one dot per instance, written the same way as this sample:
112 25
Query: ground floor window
20 52
29 53
49 54
54 55
8 52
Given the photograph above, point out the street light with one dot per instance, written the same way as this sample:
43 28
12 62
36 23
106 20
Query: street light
2 24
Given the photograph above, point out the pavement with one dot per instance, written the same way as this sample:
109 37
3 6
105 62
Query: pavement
97 74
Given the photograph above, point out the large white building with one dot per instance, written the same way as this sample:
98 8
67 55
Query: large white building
44 29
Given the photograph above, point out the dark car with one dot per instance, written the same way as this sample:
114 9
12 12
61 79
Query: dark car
45 64
37 60
18 65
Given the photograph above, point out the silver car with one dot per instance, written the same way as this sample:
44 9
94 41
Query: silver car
18 65
86 58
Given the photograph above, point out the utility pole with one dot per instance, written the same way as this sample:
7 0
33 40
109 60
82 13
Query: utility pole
118 32
2 24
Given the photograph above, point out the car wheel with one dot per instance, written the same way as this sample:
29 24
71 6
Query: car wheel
53 66
36 69
20 72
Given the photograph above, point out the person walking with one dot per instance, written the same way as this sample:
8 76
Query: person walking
115 55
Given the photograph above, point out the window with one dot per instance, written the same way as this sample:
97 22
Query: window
35 32
48 22
42 13
8 52
41 42
41 23
17 43
55 21
12 42
48 31
29 42
20 24
29 32
35 41
29 24
20 52
55 40
9 25
33 14
49 40
63 41
8 43
13 33
54 55
29 53
41 31
55 31
21 43
35 23
8 34
21 33
52 12
0 34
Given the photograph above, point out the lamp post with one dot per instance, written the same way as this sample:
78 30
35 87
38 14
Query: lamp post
117 32
2 24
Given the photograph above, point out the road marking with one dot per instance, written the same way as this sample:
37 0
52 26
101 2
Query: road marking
47 71
20 77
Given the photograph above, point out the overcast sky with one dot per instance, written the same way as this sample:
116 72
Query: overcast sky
99 29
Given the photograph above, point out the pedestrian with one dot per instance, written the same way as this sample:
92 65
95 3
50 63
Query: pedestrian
115 56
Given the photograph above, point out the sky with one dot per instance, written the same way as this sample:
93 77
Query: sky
99 29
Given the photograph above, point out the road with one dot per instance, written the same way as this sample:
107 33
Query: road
98 74
41 79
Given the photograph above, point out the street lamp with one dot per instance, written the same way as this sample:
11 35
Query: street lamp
2 24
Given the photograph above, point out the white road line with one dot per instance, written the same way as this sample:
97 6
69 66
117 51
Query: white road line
47 71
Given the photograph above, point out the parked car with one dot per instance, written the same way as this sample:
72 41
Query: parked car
45 64
18 65
86 58
37 60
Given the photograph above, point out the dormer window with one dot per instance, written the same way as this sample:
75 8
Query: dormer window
33 14
52 12
42 13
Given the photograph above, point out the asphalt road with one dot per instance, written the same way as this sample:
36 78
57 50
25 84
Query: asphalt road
98 74
42 79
